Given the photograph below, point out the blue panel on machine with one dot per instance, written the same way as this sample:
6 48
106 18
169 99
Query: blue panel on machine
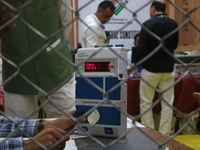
109 115
84 89
110 83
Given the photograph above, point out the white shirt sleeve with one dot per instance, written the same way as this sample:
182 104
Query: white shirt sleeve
94 37
129 57
65 14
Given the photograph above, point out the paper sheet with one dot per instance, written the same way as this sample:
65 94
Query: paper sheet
94 117
70 145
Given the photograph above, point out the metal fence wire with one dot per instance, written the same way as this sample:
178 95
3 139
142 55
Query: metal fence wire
18 9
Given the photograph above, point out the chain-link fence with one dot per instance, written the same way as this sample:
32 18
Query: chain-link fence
38 32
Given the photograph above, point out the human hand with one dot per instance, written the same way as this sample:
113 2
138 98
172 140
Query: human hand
65 122
51 137
130 69
8 27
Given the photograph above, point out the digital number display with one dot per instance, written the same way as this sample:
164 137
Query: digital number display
97 66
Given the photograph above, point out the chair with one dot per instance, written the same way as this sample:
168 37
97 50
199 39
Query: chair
196 96
194 119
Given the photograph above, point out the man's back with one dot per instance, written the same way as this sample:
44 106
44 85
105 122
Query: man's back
162 38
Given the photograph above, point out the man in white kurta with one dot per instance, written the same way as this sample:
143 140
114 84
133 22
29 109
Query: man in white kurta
93 34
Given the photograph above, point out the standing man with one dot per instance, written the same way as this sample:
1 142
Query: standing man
38 61
93 30
49 133
158 40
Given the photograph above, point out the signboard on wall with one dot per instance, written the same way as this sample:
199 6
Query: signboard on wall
125 23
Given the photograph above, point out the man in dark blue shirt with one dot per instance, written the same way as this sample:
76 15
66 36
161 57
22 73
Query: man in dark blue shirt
158 40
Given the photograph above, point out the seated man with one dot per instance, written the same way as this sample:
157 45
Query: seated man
45 132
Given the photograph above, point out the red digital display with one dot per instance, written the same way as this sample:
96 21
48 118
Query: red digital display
97 66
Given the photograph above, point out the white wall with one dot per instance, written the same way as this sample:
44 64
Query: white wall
119 22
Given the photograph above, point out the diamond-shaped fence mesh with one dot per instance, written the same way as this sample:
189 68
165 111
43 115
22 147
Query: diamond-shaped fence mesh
36 55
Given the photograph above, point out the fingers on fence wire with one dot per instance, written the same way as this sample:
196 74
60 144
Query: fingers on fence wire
4 21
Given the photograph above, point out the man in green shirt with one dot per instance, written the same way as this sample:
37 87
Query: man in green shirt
37 61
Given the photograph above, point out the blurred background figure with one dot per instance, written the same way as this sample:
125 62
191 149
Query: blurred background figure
93 30
157 70
131 55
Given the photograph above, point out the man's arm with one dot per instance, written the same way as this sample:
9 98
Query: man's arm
142 49
92 37
16 126
65 15
55 131
12 143
8 126
176 39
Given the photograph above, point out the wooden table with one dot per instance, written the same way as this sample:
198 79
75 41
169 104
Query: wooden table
136 139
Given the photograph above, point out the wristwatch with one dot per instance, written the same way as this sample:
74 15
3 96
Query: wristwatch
40 125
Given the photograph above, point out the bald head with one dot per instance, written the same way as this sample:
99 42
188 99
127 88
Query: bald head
157 7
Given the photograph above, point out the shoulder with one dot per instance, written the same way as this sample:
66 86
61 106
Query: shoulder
90 20
173 21
150 22
154 21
